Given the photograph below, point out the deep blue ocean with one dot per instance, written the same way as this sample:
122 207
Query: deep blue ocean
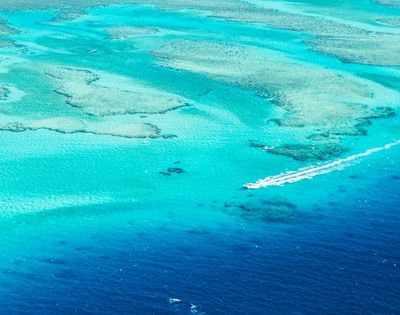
337 258
200 158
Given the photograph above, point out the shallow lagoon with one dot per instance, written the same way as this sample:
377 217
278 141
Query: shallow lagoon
101 215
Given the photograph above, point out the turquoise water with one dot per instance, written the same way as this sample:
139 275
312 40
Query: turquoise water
99 218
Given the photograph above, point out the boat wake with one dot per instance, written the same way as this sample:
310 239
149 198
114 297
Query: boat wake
315 170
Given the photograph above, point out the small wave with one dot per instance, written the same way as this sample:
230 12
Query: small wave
315 170
181 306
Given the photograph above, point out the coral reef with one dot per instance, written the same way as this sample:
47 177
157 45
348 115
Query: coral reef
69 125
102 94
312 104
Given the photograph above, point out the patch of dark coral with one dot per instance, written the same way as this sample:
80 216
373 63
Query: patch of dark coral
53 261
173 170
266 210
303 152
327 144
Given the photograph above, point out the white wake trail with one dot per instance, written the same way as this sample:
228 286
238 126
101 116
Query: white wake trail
312 171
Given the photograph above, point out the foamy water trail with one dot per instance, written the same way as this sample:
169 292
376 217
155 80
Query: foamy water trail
312 171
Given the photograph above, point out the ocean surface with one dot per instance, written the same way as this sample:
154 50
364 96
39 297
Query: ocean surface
213 157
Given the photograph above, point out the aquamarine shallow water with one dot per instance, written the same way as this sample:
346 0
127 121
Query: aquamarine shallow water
90 223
